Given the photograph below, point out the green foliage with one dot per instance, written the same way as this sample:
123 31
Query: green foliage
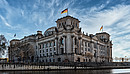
3 45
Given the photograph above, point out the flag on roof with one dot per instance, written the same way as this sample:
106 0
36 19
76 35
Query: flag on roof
64 11
15 35
101 28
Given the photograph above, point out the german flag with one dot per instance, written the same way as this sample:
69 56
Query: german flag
101 28
64 11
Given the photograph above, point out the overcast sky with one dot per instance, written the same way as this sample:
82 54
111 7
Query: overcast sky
25 17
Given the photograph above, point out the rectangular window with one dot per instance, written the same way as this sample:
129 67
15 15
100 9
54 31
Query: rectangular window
50 43
85 49
46 50
47 54
50 49
40 51
54 49
54 43
85 43
43 45
88 44
88 49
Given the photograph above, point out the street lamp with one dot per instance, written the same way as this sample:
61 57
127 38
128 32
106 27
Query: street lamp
125 58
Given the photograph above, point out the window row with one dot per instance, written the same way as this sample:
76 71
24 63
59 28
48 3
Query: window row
46 50
95 45
44 45
47 54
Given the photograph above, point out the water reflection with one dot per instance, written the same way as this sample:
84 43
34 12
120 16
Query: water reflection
121 71
108 71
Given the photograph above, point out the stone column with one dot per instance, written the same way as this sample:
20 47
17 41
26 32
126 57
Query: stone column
84 48
56 44
79 50
64 43
98 52
68 44
73 44
81 46
92 49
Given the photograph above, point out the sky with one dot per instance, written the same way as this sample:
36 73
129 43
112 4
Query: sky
25 17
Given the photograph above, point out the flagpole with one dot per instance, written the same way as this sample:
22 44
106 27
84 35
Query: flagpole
102 28
67 11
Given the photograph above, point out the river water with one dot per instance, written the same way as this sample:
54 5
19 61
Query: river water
108 71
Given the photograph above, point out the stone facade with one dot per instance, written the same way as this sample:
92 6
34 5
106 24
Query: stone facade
66 43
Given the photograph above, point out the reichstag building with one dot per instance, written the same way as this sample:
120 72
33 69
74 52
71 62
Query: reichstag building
62 43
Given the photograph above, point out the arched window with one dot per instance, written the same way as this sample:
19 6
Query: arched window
76 24
62 41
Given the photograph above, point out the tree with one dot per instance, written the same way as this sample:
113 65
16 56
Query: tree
3 46
26 52
89 55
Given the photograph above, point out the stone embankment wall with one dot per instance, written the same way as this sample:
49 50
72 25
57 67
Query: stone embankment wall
61 66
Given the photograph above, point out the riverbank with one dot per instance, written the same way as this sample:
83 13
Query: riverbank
53 68
61 66
106 71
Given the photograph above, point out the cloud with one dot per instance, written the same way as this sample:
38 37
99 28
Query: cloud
108 17
116 22
5 22
26 17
